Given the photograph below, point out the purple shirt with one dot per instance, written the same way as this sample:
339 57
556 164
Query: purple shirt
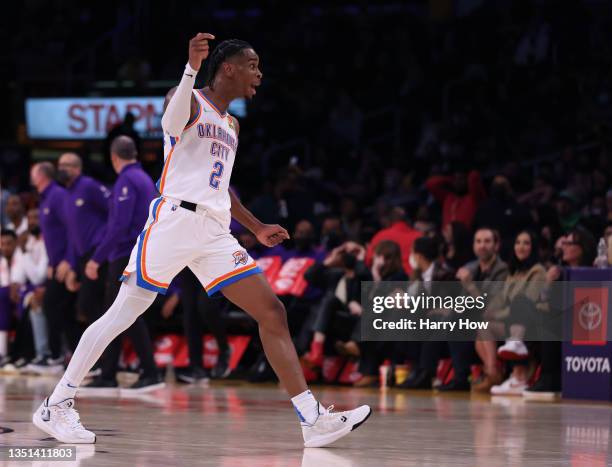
129 209
53 223
86 213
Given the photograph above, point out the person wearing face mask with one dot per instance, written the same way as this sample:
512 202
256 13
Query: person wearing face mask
87 205
503 213
459 194
29 273
434 277
331 233
58 302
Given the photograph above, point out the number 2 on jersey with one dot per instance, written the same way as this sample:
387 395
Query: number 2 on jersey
216 174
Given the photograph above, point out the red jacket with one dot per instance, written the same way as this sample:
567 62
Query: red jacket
455 207
402 234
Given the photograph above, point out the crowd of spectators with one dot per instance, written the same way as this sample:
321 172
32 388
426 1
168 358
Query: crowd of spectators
493 165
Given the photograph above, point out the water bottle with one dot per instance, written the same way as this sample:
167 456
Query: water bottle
602 254
384 370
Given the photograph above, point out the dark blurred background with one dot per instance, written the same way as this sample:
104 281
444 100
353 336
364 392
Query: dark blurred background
365 99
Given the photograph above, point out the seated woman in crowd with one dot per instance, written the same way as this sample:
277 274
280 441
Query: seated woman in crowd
521 292
578 250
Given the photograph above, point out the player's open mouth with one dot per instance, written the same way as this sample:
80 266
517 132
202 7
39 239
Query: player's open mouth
254 87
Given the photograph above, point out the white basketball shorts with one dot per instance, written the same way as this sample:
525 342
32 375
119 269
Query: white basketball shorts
175 237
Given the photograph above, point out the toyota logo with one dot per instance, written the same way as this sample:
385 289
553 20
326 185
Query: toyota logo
589 316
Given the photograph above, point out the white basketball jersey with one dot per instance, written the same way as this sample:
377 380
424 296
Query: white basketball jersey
198 164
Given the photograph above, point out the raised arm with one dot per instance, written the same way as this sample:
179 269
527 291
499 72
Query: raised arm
268 235
180 105
439 186
475 187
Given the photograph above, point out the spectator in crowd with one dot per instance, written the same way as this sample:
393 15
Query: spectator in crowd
86 206
458 245
485 275
299 305
351 219
8 244
337 314
129 208
17 220
519 298
578 251
58 302
29 274
332 235
399 232
459 195
503 213
567 205
434 277
386 267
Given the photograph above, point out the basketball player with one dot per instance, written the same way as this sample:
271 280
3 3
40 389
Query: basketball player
188 225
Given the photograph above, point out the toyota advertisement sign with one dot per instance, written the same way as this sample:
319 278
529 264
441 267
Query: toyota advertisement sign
587 350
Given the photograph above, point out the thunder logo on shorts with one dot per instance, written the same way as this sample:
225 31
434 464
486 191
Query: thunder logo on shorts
240 257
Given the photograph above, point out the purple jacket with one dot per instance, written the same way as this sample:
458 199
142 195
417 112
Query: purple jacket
53 223
129 209
86 213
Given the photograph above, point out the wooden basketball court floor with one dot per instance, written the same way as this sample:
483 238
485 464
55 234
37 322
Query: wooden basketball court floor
240 424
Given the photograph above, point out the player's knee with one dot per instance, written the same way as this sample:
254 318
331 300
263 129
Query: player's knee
276 317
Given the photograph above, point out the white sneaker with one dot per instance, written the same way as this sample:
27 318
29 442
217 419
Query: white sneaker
511 387
331 426
62 422
513 350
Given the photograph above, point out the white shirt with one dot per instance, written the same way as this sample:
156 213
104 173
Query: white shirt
427 275
31 265
5 272
21 228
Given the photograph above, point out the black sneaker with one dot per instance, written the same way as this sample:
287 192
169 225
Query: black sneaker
419 379
46 367
100 387
455 385
143 385
192 375
545 389
222 369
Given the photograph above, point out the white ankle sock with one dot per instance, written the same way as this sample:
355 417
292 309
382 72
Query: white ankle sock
64 390
306 407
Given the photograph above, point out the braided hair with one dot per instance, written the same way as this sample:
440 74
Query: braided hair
220 54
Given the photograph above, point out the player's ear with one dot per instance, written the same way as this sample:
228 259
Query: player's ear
228 68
